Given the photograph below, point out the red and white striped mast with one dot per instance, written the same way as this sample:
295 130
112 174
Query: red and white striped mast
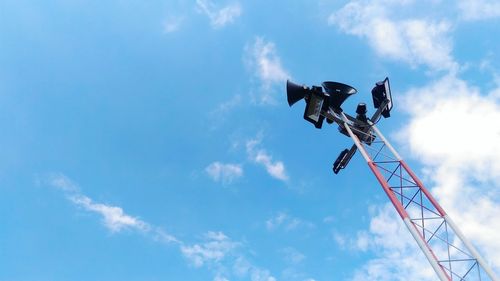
449 253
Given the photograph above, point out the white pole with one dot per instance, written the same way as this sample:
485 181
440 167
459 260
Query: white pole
411 227
450 222
471 249
424 247
354 138
396 154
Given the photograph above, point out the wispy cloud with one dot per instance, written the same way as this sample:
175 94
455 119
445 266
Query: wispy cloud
221 114
219 17
358 242
283 220
59 181
274 168
223 256
113 217
260 156
214 249
395 258
292 255
294 259
172 24
473 10
263 60
219 252
227 105
276 221
267 62
224 172
243 268
417 41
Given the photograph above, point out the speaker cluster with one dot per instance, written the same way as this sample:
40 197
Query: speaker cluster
325 101
330 96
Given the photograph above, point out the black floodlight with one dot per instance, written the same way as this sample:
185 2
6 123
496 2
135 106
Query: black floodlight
380 93
336 164
343 159
316 101
338 93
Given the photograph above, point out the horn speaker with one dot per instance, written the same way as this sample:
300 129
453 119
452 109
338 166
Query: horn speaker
338 92
295 92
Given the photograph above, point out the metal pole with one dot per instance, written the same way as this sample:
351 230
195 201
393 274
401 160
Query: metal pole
402 212
471 249
385 141
438 207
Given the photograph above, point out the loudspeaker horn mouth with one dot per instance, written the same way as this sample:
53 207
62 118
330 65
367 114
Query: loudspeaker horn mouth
338 92
295 92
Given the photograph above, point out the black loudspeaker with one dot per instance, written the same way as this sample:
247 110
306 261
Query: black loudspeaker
338 92
295 92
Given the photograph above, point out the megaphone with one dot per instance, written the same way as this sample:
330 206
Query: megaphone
295 92
338 92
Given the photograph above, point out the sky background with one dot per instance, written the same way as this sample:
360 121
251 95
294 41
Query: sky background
152 140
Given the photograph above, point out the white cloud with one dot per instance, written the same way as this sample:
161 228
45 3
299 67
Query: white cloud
360 242
450 108
220 278
276 221
397 255
340 239
113 217
61 182
226 173
262 58
275 169
261 275
287 222
454 132
227 105
219 17
172 24
243 268
260 156
268 64
292 256
219 115
329 219
472 10
214 249
223 256
414 41
161 236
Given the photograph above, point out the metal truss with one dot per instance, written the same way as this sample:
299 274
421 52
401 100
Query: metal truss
447 250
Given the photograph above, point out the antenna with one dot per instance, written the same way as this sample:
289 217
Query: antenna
449 253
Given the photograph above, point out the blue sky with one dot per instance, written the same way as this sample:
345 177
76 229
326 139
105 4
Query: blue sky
153 141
